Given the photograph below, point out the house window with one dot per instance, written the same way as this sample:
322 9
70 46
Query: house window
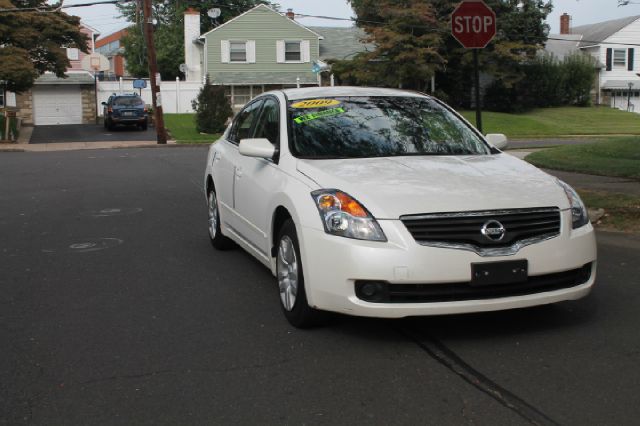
238 51
620 58
292 51
73 53
1 97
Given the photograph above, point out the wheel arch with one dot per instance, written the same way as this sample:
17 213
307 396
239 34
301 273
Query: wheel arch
280 216
209 184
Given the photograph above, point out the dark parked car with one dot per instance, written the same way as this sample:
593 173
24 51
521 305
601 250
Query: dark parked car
125 109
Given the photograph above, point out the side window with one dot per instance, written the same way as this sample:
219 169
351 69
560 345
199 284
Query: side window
244 122
268 125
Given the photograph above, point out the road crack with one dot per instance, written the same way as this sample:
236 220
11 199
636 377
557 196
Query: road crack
445 356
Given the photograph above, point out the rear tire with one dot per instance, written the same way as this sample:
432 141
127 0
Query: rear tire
218 240
293 296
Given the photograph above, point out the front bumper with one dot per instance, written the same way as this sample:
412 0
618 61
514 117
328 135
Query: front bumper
332 265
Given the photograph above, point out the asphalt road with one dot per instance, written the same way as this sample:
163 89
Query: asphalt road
114 309
90 133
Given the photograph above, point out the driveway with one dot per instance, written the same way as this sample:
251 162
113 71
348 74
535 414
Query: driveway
89 133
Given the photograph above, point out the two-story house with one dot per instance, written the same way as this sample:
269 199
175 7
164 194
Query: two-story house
613 44
111 47
261 50
54 100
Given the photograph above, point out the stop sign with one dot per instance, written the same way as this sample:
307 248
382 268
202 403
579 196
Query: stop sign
473 24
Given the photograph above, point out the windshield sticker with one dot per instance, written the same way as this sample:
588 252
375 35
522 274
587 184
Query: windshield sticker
315 115
315 103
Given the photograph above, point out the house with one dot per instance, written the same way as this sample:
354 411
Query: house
261 50
111 47
613 45
54 100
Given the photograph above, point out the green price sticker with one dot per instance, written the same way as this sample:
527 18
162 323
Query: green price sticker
315 115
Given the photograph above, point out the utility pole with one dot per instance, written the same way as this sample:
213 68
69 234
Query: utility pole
156 97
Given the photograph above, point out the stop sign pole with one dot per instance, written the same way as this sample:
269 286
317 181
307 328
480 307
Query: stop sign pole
473 24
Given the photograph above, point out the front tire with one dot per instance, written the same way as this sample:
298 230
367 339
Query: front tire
293 297
218 240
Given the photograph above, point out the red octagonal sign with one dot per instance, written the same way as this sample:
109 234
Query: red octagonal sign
473 24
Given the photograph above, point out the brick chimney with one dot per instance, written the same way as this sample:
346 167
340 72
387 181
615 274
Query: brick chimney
290 14
565 24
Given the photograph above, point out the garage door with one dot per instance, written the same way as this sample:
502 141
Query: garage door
57 105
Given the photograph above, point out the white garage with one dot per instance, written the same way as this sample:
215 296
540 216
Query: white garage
57 104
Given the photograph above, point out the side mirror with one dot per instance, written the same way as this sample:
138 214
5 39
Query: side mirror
498 140
260 148
104 103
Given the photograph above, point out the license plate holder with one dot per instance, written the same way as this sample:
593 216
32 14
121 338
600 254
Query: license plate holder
128 114
499 273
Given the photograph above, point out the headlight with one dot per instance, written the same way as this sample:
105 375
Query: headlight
579 216
342 215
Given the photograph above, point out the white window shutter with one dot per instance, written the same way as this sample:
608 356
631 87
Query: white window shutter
305 49
280 51
225 55
251 51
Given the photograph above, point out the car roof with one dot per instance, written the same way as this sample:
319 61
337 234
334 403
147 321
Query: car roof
315 92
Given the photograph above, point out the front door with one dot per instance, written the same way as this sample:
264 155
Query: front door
257 179
225 164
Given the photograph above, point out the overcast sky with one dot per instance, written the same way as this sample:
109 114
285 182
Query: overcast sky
105 18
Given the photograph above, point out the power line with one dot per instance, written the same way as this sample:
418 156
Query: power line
61 5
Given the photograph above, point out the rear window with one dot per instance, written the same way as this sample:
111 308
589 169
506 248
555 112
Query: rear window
129 101
361 126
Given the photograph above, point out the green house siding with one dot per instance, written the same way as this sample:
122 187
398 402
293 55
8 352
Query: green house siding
266 27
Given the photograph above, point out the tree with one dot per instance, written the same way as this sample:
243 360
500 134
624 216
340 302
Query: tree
407 35
212 108
33 42
169 33
420 31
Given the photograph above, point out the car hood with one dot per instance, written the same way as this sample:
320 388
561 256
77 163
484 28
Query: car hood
392 187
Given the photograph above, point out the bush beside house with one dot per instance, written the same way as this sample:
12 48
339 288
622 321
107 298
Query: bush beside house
13 128
212 109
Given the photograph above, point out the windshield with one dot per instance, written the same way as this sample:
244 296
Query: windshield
359 127
128 101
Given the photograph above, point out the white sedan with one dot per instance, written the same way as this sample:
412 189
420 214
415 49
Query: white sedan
386 203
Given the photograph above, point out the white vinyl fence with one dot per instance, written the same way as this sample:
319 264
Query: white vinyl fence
176 96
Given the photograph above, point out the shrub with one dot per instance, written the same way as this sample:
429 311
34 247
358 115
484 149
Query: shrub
212 109
547 83
13 128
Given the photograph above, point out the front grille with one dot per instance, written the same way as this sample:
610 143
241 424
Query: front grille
453 292
465 228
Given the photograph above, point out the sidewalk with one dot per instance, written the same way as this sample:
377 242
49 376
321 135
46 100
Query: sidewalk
70 146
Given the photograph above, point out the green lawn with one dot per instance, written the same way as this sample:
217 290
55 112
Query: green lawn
565 121
182 128
613 157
